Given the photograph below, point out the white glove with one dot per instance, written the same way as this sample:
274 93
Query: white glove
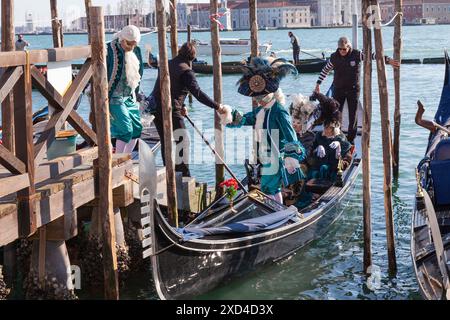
291 165
227 117
321 152
336 145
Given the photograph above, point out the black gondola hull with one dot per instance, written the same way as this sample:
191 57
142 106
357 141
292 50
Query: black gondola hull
184 270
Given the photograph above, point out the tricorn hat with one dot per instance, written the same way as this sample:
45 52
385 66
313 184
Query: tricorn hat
262 76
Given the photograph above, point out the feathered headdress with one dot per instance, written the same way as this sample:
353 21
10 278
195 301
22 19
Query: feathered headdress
305 111
262 76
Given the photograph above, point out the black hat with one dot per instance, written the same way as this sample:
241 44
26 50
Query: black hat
262 77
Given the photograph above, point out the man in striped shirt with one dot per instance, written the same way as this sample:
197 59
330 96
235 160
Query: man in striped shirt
346 63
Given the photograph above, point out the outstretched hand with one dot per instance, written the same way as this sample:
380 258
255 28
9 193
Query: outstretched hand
394 63
184 112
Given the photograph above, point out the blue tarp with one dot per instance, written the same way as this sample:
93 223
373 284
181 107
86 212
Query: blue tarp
268 222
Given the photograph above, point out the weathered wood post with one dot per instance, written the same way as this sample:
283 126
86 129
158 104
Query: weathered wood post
367 126
173 28
7 124
252 8
166 104
8 45
387 140
397 113
217 71
56 24
88 4
189 39
105 203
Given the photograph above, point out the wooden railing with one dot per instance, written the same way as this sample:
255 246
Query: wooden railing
18 79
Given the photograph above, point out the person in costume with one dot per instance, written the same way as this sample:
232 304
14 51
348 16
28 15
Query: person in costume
330 148
125 70
279 151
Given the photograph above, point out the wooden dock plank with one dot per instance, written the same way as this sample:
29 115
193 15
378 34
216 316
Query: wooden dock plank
61 196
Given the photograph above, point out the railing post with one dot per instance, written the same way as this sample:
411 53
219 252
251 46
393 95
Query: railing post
101 106
23 119
8 45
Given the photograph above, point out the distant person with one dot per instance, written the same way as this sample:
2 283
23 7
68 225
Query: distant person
295 47
346 63
183 81
21 44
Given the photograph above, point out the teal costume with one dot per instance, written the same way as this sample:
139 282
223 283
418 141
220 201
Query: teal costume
276 118
124 109
326 168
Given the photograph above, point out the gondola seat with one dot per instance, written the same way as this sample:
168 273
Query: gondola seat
440 171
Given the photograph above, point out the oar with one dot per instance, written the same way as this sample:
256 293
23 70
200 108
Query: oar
312 55
216 154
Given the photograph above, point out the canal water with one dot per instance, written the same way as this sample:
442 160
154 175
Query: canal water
330 267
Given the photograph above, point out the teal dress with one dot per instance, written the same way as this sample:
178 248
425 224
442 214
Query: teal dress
278 133
123 107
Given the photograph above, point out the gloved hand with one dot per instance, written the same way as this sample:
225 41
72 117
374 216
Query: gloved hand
336 145
225 114
320 151
291 164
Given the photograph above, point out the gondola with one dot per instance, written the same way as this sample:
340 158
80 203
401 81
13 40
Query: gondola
231 243
430 227
305 66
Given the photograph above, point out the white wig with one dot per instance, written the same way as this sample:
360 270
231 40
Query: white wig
129 33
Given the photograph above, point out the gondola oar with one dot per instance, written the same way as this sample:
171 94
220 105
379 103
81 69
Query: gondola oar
216 154
312 55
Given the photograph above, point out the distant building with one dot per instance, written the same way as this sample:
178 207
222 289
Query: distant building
439 10
115 22
418 11
272 15
337 12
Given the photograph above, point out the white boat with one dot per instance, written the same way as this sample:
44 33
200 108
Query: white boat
231 47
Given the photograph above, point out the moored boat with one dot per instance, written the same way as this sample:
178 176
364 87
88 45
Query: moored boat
224 242
430 227
231 47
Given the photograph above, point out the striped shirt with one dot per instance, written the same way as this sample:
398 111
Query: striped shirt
329 67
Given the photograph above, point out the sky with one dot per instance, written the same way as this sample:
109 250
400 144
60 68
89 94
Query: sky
69 9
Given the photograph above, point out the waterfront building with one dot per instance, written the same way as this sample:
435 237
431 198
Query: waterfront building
337 12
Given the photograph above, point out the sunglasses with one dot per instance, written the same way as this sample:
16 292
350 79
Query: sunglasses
342 49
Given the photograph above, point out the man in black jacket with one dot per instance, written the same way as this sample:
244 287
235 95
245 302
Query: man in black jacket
346 63
182 82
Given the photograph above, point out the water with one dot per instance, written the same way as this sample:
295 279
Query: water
331 267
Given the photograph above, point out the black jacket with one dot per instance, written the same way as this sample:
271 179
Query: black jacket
347 70
182 81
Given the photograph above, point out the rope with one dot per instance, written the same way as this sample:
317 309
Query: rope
215 16
393 19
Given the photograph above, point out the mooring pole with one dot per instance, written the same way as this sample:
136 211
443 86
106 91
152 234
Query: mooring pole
173 28
355 31
397 112
189 39
252 7
166 104
105 202
253 17
217 70
56 24
8 45
87 5
387 140
367 126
